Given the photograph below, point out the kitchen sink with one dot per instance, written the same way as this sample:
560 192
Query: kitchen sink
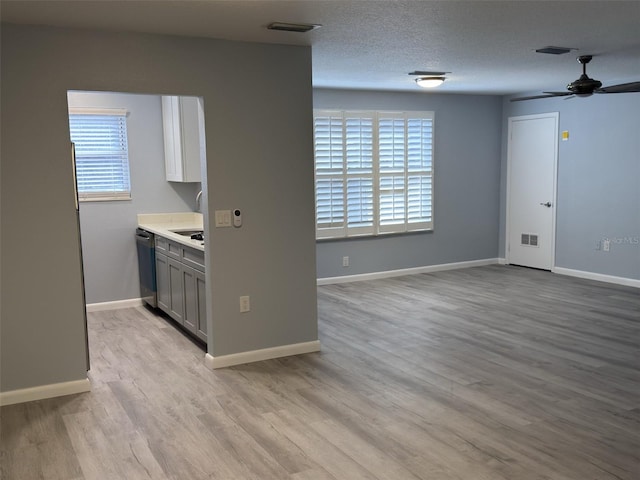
187 233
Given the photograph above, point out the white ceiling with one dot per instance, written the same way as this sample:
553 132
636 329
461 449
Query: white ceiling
488 46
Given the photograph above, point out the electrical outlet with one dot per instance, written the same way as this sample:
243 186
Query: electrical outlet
245 304
345 261
606 244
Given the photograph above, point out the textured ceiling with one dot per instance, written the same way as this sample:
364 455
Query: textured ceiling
488 46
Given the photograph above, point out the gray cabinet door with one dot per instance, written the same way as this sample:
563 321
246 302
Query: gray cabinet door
176 296
162 282
201 302
190 299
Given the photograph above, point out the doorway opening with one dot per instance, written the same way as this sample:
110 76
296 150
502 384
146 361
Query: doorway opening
120 173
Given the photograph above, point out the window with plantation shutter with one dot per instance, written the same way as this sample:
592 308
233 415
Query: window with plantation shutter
102 157
373 172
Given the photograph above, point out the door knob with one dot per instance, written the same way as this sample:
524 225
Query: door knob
548 204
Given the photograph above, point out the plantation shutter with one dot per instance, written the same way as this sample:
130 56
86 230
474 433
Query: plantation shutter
102 159
405 145
359 159
420 172
373 172
329 158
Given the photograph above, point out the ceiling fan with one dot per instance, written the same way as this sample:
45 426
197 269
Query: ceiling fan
585 86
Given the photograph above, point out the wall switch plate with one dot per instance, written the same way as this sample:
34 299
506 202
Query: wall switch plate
606 244
223 218
245 304
345 261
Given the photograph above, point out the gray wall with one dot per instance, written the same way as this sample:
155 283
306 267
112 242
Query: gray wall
108 247
466 185
598 184
259 159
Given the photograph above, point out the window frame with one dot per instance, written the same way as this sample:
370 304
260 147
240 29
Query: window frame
414 179
112 194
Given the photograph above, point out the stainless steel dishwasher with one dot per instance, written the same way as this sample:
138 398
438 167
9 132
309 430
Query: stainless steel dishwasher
145 241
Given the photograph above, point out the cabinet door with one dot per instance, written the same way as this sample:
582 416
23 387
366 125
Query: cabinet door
191 120
162 282
172 138
201 305
184 145
190 299
176 296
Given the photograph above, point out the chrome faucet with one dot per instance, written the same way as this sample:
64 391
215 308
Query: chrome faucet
198 196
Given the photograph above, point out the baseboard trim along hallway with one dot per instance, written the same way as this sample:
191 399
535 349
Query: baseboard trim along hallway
406 271
222 361
44 391
114 305
600 277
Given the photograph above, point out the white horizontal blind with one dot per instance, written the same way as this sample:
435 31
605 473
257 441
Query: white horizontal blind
374 172
102 158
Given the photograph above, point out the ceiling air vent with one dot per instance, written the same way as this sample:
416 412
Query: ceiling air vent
424 73
293 27
555 50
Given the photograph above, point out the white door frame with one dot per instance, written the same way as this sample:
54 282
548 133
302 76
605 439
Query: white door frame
556 117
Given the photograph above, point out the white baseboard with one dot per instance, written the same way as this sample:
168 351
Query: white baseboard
406 271
502 261
222 361
98 307
44 391
600 277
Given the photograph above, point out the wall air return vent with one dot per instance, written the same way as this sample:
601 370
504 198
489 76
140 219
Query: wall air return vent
529 239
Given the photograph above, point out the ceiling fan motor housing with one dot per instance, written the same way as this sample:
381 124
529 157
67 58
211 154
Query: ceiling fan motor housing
584 85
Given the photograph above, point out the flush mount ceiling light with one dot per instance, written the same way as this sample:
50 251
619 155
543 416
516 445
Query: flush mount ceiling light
429 79
430 82
293 27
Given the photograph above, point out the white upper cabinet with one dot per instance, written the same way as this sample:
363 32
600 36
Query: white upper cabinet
184 145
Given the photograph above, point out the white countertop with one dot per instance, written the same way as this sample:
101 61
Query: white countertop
167 224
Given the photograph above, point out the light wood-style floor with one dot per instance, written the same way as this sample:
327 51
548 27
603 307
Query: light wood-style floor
490 373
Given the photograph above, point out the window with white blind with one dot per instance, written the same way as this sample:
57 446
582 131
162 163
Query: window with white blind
373 172
102 154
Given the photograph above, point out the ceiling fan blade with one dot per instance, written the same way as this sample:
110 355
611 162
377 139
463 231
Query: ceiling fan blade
621 88
547 95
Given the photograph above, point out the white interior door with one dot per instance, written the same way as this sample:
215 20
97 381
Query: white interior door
531 188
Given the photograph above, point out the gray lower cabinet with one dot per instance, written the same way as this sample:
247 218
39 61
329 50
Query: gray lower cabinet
181 285
176 295
162 281
201 289
190 300
195 316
